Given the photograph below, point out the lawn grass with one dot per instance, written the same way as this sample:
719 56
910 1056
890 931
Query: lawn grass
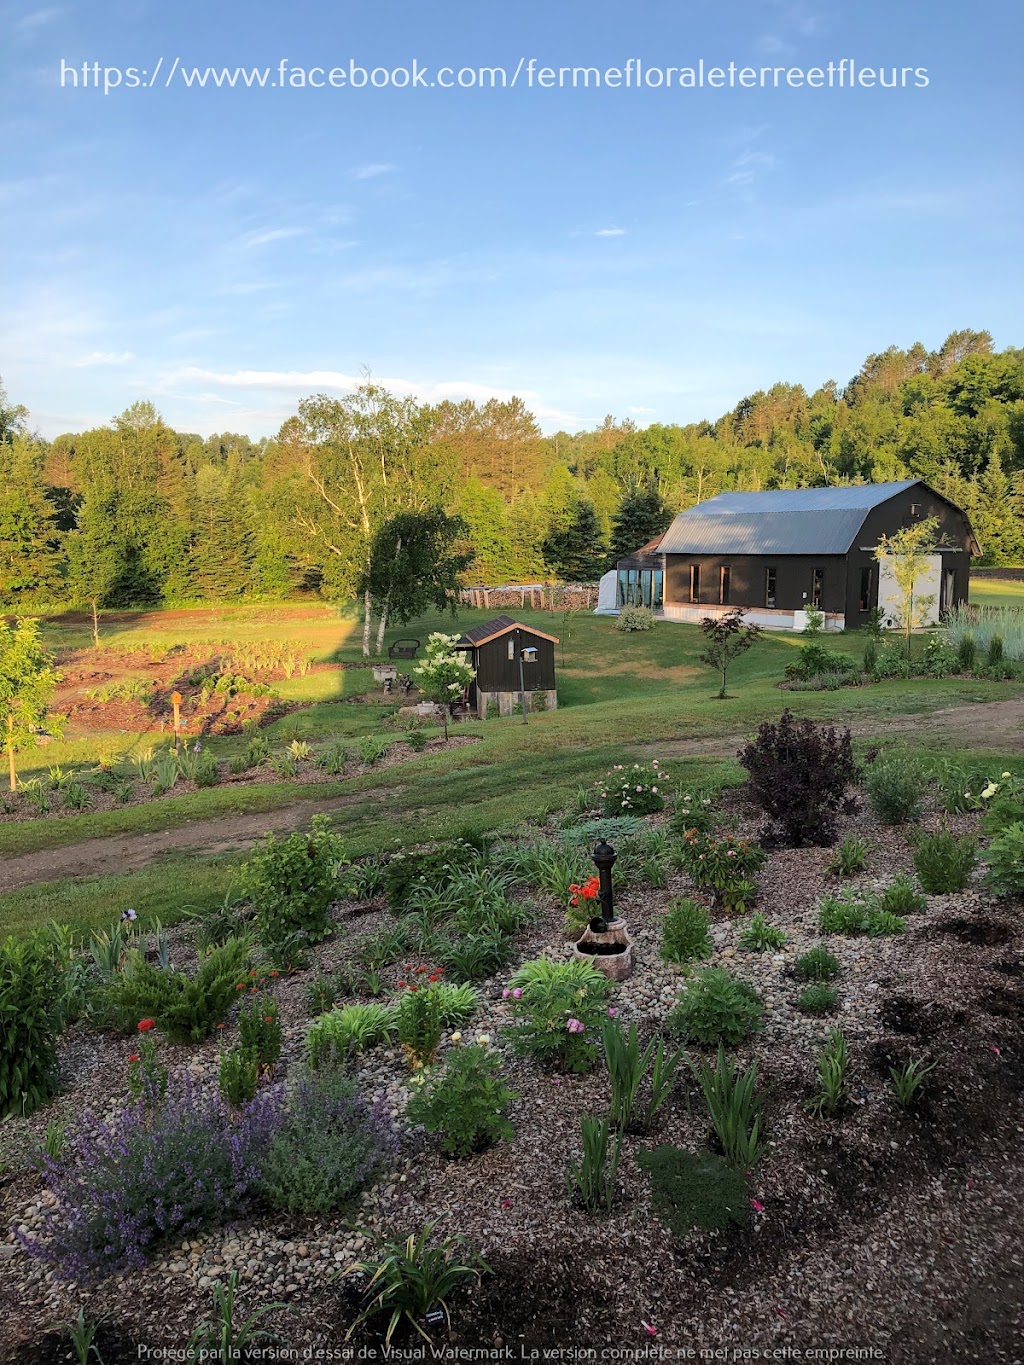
996 592
621 695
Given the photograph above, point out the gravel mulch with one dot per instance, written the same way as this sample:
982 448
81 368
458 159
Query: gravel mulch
876 1228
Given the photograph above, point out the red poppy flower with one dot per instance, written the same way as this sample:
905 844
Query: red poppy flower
403 983
268 1018
240 986
414 988
146 1024
421 969
275 973
135 1057
433 977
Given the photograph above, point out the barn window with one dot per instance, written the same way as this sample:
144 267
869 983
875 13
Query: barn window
769 587
511 647
724 584
657 589
530 654
866 583
915 510
817 587
694 582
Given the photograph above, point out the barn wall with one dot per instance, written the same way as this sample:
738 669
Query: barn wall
792 587
892 516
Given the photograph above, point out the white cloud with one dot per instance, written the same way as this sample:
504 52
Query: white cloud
103 358
267 235
642 412
374 169
610 232
38 18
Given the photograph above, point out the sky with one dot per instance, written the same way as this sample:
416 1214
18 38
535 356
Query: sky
653 252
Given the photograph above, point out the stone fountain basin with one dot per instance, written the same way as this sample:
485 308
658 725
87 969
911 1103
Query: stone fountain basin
610 951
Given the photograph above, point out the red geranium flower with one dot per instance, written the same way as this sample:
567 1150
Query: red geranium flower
433 977
146 1024
421 969
403 983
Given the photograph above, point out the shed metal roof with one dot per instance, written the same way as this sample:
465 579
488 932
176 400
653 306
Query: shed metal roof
794 521
501 625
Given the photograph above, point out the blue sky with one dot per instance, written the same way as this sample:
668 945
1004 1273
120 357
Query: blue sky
650 253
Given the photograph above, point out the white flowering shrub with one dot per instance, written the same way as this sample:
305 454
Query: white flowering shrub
636 789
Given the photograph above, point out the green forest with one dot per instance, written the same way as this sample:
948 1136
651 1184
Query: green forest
136 513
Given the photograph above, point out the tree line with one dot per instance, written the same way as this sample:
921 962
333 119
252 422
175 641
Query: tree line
393 501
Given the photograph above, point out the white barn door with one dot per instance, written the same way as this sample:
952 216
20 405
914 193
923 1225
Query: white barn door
927 584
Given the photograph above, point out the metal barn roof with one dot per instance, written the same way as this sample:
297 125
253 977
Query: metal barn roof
793 521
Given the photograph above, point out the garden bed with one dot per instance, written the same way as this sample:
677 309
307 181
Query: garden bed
875 1226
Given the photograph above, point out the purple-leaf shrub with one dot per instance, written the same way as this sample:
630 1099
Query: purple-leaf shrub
799 773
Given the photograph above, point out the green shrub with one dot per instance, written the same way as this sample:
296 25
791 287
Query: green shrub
901 897
693 808
207 772
908 1080
475 957
328 1147
409 1278
858 913
635 790
759 936
1005 860
424 1011
850 857
238 1076
685 931
466 1101
259 1029
435 869
416 740
373 749
383 948
331 758
185 1008
694 1190
817 964
733 1107
34 1005
635 618
239 763
894 787
558 1010
332 1037
966 653
292 883
819 999
833 1068
591 1181
627 1070
717 1008
944 863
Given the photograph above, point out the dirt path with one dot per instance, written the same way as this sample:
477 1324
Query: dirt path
126 852
995 725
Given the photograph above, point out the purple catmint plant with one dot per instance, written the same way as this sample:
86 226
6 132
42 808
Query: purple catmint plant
155 1172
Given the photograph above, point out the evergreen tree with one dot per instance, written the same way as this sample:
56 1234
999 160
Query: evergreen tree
30 552
574 548
641 516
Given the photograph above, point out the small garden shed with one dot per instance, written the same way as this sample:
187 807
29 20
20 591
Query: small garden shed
512 663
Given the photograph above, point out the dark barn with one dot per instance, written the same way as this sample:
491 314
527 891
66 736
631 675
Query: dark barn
776 554
510 659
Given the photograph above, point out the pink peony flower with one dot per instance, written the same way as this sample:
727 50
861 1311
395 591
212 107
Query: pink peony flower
517 994
505 994
757 1206
574 1026
613 1013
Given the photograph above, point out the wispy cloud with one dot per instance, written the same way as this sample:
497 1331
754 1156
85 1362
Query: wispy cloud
610 232
265 236
38 18
103 358
748 166
373 170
